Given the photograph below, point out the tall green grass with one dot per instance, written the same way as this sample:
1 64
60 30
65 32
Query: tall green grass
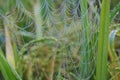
101 67
84 50
89 39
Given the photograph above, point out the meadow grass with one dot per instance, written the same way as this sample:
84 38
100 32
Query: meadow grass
59 40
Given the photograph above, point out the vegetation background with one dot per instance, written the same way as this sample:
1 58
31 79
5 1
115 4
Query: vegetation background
59 40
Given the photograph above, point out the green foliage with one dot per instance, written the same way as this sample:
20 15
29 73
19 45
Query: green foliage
114 12
84 70
7 70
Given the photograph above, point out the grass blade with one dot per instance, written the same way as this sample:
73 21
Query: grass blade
114 64
101 68
112 52
7 70
9 48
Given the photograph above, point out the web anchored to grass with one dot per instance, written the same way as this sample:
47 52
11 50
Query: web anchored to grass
55 39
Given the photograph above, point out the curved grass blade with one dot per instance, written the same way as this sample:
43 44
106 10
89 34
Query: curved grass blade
114 64
112 52
7 70
40 40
